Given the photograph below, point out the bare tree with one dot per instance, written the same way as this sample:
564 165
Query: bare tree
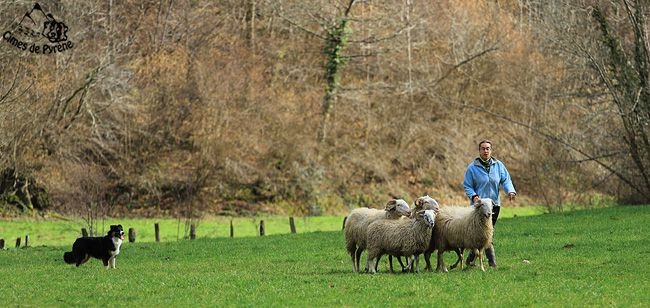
625 72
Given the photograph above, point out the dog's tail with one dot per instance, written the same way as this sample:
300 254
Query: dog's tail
68 257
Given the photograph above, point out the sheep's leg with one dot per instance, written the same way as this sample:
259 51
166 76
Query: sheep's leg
404 265
390 263
471 258
357 256
415 259
351 248
427 260
371 267
401 264
459 260
461 255
376 263
480 258
441 262
407 266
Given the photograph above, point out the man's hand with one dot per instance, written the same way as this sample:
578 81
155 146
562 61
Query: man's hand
476 199
511 196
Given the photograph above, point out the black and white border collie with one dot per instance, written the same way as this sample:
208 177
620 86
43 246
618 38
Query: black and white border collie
105 248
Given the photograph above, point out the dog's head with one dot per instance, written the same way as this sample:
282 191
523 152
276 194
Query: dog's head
116 231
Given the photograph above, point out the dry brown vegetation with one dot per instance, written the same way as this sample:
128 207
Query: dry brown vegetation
167 107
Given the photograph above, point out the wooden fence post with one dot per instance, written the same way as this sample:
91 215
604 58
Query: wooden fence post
131 235
232 230
2 243
84 232
292 226
344 219
192 231
17 242
157 229
261 227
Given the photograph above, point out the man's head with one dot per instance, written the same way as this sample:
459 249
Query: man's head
485 149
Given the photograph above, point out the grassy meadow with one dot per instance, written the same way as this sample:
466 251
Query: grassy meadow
579 258
59 231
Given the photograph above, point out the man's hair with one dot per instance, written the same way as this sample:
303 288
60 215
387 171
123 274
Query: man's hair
484 141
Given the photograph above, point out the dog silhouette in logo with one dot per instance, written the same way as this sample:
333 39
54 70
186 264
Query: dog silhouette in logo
55 31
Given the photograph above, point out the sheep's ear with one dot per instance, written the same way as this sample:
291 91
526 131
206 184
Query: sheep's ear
391 205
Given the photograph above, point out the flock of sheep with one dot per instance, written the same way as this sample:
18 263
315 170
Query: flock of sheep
400 231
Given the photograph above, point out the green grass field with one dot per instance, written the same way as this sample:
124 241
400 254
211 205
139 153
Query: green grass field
581 258
61 232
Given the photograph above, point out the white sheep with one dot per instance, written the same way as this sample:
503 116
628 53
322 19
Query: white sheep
406 237
356 226
459 228
421 203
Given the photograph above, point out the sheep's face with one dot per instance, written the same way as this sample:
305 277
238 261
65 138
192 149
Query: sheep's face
399 206
426 203
484 206
429 217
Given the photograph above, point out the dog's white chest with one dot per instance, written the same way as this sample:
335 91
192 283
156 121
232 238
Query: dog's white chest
117 242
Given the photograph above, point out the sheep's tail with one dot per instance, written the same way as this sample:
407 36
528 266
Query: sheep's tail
68 257
350 246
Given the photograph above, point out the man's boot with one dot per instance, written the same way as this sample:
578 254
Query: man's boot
492 258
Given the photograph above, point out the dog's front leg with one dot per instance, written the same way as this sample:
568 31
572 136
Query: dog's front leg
112 262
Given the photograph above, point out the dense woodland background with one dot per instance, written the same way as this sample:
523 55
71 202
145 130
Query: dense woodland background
308 107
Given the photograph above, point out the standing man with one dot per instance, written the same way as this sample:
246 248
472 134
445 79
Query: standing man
483 177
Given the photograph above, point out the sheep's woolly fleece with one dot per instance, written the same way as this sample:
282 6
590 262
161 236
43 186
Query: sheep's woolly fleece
462 228
356 226
407 237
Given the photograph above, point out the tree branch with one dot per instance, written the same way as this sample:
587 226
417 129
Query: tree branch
461 63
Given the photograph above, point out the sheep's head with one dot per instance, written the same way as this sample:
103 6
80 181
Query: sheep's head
426 203
484 206
399 206
429 217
